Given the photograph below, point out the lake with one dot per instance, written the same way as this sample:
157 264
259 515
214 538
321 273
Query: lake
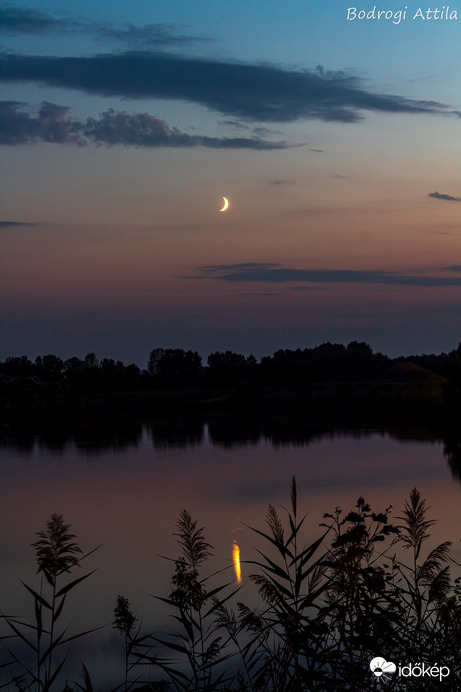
126 493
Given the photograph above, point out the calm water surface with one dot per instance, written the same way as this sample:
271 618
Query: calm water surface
127 496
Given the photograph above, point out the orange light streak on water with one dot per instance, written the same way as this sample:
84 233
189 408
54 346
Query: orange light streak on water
236 559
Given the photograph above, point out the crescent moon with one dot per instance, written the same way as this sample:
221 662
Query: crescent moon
226 204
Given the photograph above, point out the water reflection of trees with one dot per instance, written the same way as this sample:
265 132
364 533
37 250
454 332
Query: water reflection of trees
452 454
120 434
91 441
176 434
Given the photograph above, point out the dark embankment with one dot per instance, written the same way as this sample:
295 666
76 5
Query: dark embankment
407 406
291 394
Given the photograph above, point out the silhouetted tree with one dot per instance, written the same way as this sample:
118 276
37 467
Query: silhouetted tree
72 364
18 366
175 366
229 368
91 361
154 360
49 368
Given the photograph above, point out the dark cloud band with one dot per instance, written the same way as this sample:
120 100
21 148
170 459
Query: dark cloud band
275 274
253 92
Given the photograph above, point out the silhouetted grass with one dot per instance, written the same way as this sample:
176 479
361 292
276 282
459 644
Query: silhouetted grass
57 554
367 587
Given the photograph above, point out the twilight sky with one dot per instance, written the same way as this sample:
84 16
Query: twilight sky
123 123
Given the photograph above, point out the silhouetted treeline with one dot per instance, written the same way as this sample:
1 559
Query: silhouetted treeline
175 368
51 372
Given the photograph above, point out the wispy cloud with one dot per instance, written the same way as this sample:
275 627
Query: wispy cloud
258 294
282 181
265 93
235 123
14 20
275 274
53 124
149 36
446 198
17 21
17 224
